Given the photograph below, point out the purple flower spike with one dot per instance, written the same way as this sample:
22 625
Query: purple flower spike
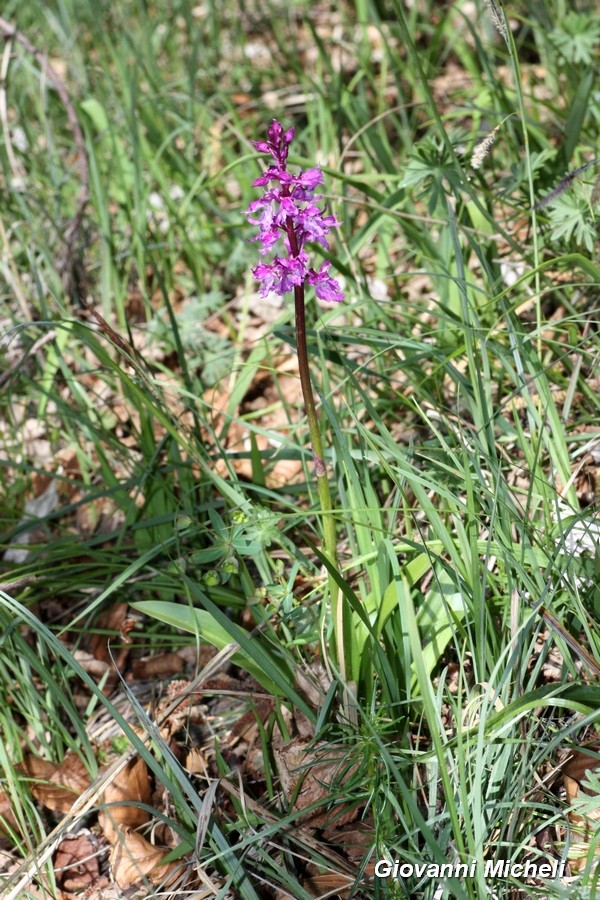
289 211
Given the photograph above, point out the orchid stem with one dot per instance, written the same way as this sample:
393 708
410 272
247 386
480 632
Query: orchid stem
340 618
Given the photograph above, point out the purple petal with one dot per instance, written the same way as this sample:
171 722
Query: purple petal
326 288
311 178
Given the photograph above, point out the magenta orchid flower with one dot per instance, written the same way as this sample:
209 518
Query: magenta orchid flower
290 212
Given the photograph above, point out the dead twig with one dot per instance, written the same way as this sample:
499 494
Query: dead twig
9 586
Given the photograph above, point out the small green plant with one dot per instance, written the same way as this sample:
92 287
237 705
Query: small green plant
572 219
577 38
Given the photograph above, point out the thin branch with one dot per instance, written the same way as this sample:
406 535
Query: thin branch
8 586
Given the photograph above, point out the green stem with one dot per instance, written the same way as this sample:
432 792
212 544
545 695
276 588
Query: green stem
340 618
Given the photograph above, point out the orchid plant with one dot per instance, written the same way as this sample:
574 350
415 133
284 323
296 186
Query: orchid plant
288 214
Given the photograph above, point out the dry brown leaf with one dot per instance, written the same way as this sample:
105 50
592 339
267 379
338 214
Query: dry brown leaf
246 727
37 892
196 762
354 840
185 711
112 619
103 891
98 516
265 394
91 665
68 467
158 666
579 762
56 786
132 784
7 818
312 682
76 862
329 883
314 775
134 858
575 769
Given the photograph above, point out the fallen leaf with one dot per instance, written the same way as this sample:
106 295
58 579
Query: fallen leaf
38 508
579 762
88 662
354 840
7 817
56 785
328 884
157 666
196 762
575 768
76 862
112 619
315 775
312 682
132 784
134 858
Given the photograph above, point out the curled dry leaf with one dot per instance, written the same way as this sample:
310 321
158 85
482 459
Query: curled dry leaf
132 784
134 859
313 773
579 762
35 892
196 762
54 785
355 842
112 619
